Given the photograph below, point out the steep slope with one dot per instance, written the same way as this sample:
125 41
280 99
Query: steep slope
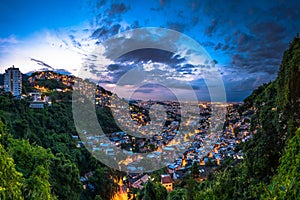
270 167
288 88
286 183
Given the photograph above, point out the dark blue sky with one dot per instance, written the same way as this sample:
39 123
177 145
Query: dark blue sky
246 38
21 18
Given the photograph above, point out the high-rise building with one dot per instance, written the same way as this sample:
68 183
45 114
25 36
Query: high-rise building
13 81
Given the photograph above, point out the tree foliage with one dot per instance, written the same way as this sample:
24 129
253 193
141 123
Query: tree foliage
103 184
153 191
11 181
286 183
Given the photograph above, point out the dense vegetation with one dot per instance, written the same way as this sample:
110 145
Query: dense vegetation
39 157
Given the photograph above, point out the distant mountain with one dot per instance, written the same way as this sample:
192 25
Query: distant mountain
62 71
59 71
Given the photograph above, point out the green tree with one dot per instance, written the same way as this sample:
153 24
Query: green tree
11 181
286 183
150 193
103 183
98 197
37 186
64 178
20 128
33 162
192 188
153 191
179 194
161 192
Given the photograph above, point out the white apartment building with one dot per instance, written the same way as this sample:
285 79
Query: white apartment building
13 81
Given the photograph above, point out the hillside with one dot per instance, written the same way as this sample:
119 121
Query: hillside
270 169
42 146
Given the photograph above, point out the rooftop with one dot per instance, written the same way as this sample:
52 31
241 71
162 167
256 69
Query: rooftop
166 178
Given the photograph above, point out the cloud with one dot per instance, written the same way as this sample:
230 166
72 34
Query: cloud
145 90
117 8
286 11
245 42
261 49
207 44
56 49
6 43
225 47
211 28
150 63
180 27
218 46
150 54
39 62
100 3
195 5
268 31
10 40
105 32
74 42
113 67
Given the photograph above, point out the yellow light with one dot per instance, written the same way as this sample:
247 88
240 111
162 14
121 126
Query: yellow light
122 193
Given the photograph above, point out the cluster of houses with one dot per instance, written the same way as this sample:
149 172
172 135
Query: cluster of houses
67 80
236 130
38 99
164 142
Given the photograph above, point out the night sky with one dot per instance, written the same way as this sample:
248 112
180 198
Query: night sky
246 39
